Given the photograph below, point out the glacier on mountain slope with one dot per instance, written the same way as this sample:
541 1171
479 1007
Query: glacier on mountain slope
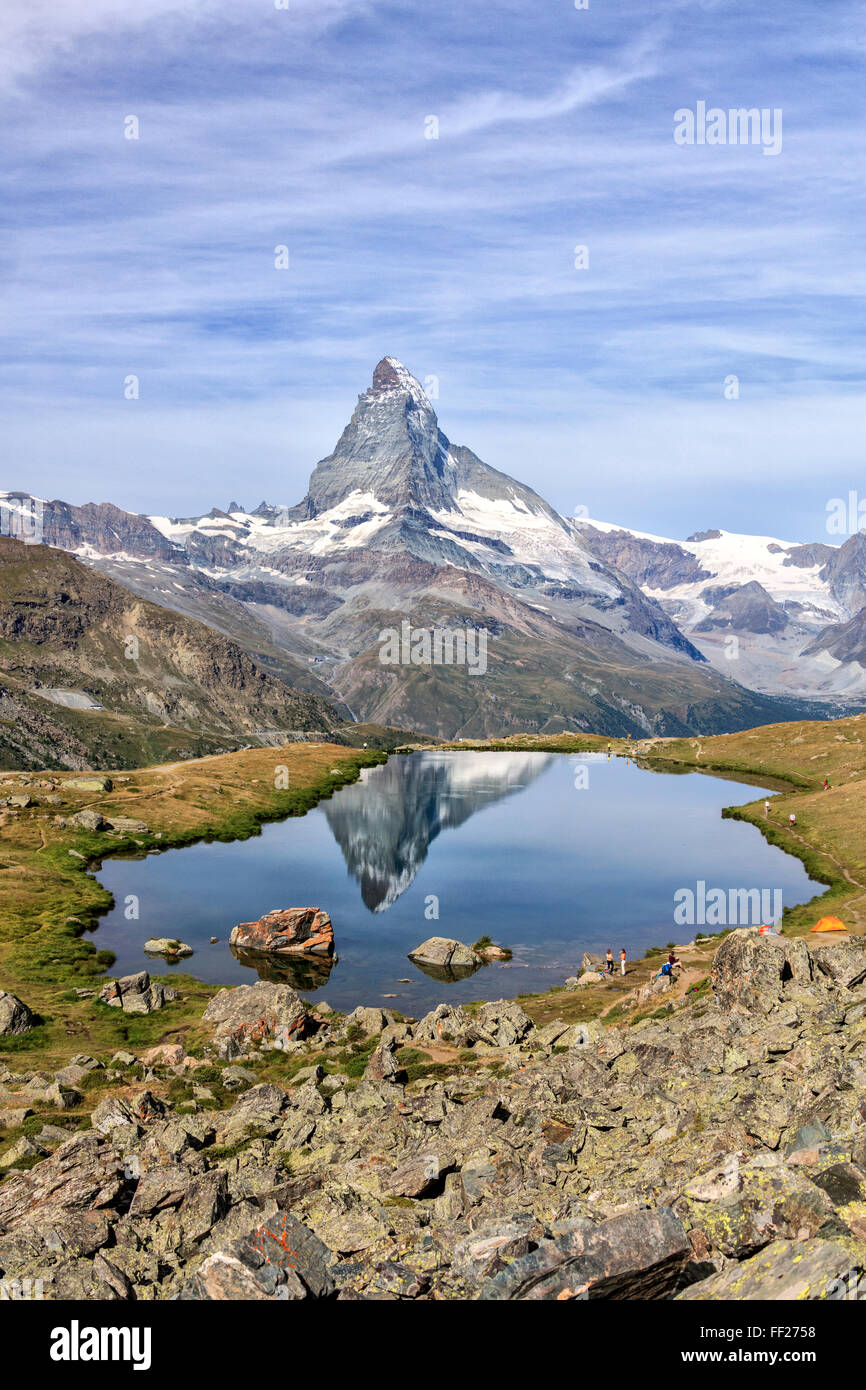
731 561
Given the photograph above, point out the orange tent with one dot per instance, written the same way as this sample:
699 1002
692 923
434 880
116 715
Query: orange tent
769 931
829 924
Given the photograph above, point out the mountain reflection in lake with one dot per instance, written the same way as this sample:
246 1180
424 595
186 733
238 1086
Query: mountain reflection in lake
386 823
503 844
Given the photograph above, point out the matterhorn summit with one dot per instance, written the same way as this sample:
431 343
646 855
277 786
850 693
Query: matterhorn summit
401 526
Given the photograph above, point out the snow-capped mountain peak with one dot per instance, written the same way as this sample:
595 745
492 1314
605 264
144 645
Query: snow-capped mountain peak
591 626
390 377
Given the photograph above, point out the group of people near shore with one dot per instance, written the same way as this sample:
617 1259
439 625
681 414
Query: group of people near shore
610 963
671 965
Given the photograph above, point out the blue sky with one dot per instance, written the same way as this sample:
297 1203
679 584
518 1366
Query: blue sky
601 388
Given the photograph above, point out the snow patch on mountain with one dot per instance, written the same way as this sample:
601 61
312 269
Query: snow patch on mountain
534 537
731 558
721 598
350 523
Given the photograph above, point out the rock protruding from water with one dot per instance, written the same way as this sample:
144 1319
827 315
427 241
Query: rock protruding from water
167 946
252 1014
444 959
289 930
15 1017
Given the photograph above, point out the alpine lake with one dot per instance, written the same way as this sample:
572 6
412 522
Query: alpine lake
547 854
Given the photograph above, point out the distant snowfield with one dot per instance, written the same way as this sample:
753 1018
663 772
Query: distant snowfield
507 529
771 664
533 537
731 558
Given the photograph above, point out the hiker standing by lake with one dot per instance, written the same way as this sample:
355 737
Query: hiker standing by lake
608 961
622 960
766 808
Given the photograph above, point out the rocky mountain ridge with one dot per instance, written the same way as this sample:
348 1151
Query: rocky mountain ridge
89 672
399 524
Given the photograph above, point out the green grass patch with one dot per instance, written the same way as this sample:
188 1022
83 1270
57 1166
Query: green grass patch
34 1041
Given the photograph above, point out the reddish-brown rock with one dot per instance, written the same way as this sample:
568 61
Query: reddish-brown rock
290 930
247 1015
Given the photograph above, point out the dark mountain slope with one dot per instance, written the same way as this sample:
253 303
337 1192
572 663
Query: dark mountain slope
91 673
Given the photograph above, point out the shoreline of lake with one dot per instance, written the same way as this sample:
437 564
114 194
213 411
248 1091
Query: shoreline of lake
516 846
57 895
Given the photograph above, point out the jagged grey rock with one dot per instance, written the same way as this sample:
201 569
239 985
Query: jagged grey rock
15 1017
716 1152
137 994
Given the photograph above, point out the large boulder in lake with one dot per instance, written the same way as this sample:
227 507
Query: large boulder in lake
750 969
289 930
251 1014
15 1017
445 959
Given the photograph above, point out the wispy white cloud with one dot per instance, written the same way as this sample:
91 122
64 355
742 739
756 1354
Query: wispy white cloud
35 34
307 127
585 85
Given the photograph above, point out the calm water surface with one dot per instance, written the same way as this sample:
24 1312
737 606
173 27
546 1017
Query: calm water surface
500 843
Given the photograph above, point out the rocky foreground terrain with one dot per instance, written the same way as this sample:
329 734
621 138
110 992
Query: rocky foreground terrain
713 1150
